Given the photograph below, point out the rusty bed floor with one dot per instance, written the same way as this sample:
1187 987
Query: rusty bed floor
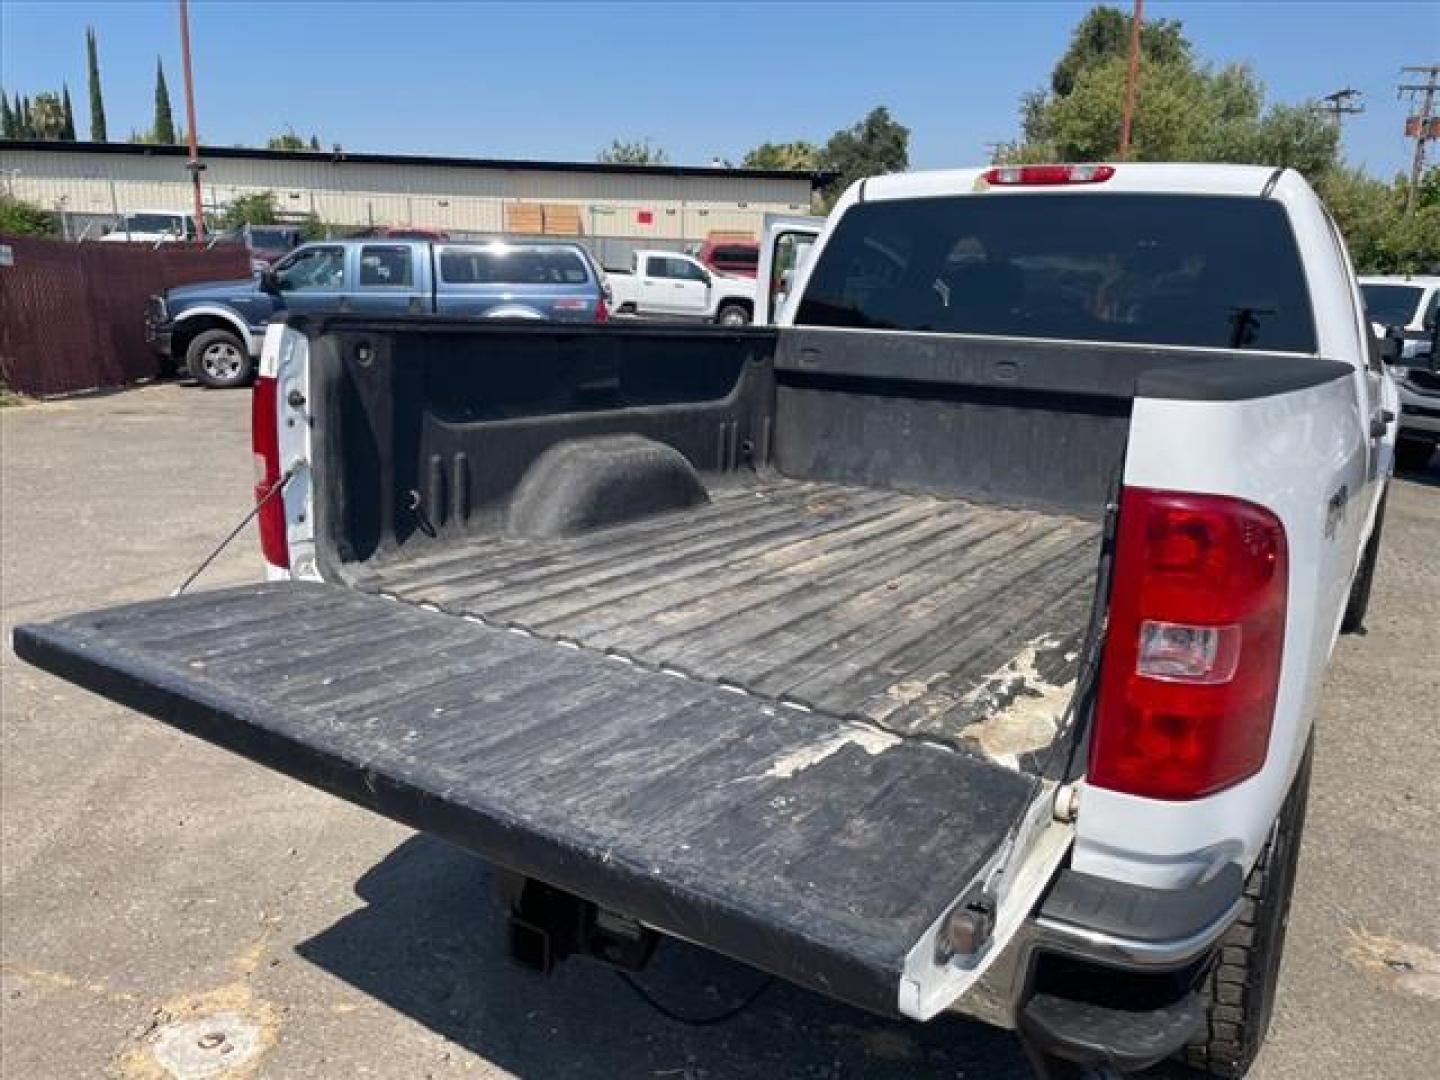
925 615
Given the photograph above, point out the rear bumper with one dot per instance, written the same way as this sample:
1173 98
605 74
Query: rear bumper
1134 927
1128 943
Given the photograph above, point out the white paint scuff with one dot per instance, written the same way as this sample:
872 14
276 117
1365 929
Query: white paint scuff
868 739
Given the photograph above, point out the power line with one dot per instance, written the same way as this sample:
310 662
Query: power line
1421 126
1342 103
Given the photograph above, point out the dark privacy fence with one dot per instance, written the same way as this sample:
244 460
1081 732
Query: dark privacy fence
72 315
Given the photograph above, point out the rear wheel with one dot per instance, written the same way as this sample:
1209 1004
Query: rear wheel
1239 991
219 359
1412 455
733 315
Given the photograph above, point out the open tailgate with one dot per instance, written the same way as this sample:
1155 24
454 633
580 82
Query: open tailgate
816 849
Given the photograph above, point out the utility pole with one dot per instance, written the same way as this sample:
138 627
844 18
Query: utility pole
1422 125
194 163
1342 103
1132 75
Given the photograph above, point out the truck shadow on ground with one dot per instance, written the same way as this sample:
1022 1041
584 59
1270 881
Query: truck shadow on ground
430 943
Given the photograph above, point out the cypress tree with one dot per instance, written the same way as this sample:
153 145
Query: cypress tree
164 129
67 133
97 102
27 119
7 118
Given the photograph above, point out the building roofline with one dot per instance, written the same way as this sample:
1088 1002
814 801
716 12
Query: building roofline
816 179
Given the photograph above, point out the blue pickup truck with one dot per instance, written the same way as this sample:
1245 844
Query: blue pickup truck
215 328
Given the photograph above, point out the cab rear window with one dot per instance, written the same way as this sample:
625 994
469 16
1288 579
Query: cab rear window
512 266
1209 271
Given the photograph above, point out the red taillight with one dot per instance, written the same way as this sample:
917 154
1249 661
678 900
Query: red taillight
265 442
1192 646
1041 175
602 311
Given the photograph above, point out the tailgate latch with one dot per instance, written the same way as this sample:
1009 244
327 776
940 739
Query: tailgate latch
969 926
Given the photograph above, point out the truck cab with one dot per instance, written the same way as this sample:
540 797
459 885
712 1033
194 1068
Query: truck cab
151 227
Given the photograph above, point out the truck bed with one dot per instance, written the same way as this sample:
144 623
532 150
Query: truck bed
925 615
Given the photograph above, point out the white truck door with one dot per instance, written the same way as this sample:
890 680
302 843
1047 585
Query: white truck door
786 243
691 287
666 287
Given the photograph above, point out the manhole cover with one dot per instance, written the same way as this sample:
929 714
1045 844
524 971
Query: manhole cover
206 1046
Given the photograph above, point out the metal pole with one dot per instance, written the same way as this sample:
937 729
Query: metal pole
194 163
1426 92
1132 73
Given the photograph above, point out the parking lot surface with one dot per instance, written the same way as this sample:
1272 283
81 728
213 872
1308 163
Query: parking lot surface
150 879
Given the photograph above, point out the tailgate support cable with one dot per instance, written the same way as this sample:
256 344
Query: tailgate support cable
696 1021
275 489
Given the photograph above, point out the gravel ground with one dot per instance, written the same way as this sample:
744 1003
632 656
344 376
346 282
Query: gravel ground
151 879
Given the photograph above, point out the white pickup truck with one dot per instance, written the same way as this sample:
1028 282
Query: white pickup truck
671 286
953 645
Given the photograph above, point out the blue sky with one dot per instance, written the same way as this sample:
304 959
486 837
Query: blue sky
700 79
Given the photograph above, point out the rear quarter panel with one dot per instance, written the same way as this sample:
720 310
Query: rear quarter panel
1303 455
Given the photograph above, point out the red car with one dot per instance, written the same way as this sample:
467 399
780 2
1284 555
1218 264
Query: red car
733 256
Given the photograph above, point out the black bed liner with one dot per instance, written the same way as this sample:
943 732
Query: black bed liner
881 606
800 843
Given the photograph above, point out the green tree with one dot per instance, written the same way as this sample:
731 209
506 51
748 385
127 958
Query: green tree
799 155
27 120
1104 34
259 208
163 129
68 132
632 152
876 145
7 118
47 116
97 100
26 219
286 140
1186 110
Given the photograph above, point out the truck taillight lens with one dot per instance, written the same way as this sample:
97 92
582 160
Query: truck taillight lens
1196 628
265 442
1047 175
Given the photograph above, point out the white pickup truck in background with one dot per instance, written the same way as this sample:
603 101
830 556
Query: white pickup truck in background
1405 311
952 645
671 286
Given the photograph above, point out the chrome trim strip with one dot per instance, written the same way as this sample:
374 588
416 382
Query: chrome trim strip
1129 952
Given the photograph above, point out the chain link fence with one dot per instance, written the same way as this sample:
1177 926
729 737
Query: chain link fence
72 315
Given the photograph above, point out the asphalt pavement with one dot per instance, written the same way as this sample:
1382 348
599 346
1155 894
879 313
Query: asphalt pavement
159 895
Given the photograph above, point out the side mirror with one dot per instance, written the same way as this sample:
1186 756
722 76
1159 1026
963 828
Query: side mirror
1391 346
269 283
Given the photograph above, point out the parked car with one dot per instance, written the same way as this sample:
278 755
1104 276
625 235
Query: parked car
673 286
1407 309
151 227
730 255
269 243
954 645
216 327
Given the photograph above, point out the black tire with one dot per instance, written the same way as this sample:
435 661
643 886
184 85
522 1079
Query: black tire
1239 989
1359 602
1412 455
733 315
219 359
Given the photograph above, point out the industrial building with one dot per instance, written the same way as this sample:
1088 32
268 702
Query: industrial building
663 205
